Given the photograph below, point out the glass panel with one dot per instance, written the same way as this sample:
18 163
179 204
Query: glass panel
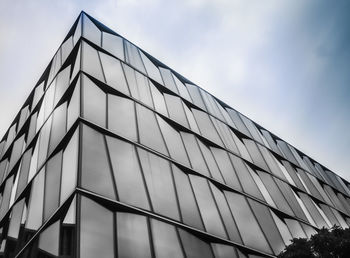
150 134
73 111
176 111
264 218
160 184
236 118
48 100
22 118
275 192
127 174
6 197
212 165
133 239
317 217
95 110
174 142
191 120
206 126
286 151
195 96
226 168
90 31
193 246
207 206
196 158
114 73
262 188
49 239
224 251
23 172
113 44
230 224
252 129
34 161
58 129
122 117
158 99
283 229
96 174
295 228
77 64
38 93
70 217
35 210
15 222
210 104
226 135
62 83
91 62
246 222
17 148
132 56
144 94
165 239
66 48
69 168
32 127
188 206
152 70
52 186
96 230
244 174
44 142
168 79
182 89
255 154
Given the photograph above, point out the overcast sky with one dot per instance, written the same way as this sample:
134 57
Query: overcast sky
284 64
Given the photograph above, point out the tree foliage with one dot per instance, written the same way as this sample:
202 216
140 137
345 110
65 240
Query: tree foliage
333 243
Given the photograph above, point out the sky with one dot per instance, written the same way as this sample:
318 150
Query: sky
284 64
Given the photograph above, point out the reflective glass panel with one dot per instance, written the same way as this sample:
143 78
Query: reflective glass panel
49 239
91 62
132 56
35 211
90 31
113 44
193 246
175 108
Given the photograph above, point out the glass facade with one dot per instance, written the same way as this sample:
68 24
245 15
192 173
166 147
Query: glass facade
114 154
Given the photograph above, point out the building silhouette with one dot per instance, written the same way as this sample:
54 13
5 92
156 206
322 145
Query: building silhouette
114 154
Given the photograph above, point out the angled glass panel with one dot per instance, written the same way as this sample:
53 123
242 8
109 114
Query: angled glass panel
62 83
230 224
244 176
255 154
182 89
190 118
144 93
49 239
206 126
165 240
23 116
317 217
168 79
94 102
262 188
132 56
38 93
127 173
52 185
122 116
58 128
73 111
35 210
283 229
193 246
48 100
77 64
207 206
195 96
196 158
69 168
187 202
264 218
295 228
160 184
114 73
15 221
44 142
212 165
17 148
286 151
175 109
210 104
66 48
90 31
6 197
174 142
149 131
226 168
96 230
158 99
224 251
252 129
91 62
96 174
152 70
23 172
113 44
226 135
132 236
246 222
237 120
